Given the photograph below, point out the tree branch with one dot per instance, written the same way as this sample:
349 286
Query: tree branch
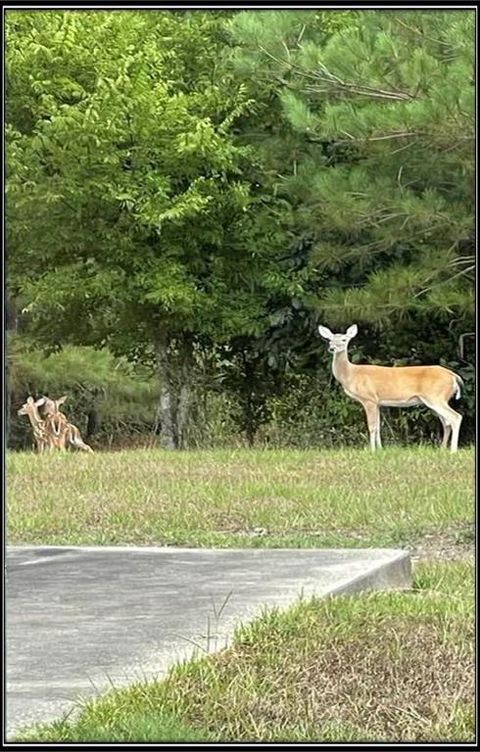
443 281
358 89
389 136
418 32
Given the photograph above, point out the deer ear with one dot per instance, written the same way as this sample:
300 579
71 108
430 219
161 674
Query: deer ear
61 400
325 332
40 402
30 400
352 331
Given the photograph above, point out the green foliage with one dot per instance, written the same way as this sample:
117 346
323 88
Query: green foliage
133 728
127 209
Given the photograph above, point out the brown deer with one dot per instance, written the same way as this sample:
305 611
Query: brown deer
62 432
383 386
40 431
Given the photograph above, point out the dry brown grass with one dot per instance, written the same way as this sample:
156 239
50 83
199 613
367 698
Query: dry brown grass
394 681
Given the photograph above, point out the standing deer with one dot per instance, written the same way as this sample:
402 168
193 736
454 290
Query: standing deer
383 386
63 432
40 432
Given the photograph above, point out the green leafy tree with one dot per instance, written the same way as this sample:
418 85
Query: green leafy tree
129 219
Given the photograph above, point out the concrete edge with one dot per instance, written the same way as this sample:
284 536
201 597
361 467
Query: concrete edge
194 549
395 574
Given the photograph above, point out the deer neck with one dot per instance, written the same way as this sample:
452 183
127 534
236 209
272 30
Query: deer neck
35 420
57 421
341 366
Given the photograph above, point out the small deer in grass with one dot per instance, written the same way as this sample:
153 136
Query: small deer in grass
41 434
62 432
403 386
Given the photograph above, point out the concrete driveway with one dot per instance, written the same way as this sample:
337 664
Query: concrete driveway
80 619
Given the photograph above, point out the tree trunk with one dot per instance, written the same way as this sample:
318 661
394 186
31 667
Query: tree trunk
11 321
8 405
185 370
93 422
184 400
167 408
250 427
175 367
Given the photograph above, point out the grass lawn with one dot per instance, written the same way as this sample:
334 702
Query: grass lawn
392 666
239 498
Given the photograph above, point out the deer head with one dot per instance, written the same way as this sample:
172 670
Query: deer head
338 342
50 406
30 408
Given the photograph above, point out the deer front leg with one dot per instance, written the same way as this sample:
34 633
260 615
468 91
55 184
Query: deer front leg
39 440
61 440
377 435
373 420
43 445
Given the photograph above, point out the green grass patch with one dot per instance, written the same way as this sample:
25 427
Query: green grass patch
224 498
380 666
133 727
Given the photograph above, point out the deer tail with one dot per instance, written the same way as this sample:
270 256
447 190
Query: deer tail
458 383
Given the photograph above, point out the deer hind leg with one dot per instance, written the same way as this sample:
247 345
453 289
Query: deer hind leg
76 440
452 420
61 440
373 420
447 430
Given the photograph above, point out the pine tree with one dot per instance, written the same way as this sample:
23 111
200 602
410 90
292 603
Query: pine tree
384 179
